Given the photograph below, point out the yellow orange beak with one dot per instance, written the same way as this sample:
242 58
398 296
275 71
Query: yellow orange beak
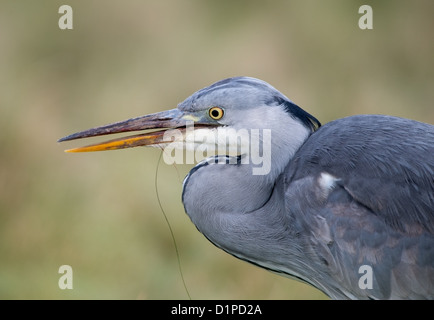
164 120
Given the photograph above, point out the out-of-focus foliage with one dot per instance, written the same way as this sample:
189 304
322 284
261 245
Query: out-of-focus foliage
99 212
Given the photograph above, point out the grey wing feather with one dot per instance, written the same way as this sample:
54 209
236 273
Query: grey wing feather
385 163
364 188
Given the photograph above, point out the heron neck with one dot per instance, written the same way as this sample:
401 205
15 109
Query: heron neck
219 196
241 212
223 184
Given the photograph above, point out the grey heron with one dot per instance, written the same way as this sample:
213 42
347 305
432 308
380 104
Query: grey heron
355 192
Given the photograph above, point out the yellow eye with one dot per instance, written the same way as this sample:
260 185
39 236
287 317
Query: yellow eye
216 113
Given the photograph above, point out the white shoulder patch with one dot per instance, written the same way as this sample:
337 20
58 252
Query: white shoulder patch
327 182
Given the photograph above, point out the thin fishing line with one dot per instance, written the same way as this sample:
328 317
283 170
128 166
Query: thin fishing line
170 227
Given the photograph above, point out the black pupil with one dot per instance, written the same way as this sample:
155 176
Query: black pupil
215 113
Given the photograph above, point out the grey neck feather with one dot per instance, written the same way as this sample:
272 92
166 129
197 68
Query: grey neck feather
232 207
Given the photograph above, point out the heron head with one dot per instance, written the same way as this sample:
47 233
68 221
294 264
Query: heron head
224 108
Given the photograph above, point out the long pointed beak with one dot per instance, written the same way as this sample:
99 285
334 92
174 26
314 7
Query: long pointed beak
161 120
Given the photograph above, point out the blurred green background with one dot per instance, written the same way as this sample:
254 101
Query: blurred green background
99 212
